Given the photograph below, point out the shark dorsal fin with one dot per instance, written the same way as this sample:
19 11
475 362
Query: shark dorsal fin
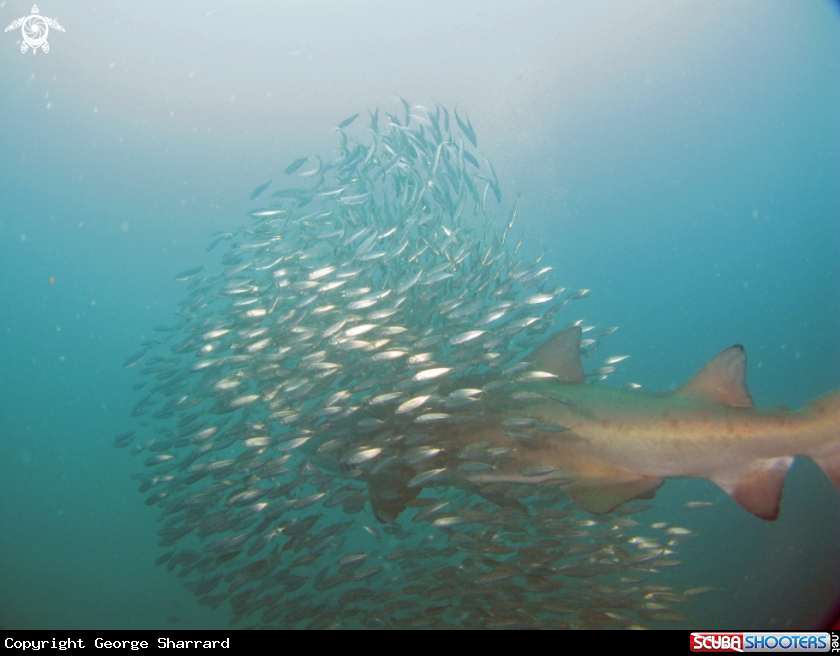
721 381
560 356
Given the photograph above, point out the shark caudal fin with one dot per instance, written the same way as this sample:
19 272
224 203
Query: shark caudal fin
826 411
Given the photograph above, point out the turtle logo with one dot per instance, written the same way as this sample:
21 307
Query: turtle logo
34 29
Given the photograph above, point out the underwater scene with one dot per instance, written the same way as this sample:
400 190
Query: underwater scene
376 315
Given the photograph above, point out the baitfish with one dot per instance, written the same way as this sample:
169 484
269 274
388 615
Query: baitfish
256 193
371 418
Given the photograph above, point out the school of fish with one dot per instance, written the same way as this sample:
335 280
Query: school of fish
290 428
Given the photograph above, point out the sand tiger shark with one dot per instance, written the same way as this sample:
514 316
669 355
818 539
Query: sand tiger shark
612 445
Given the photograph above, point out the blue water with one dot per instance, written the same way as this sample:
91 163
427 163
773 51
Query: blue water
681 160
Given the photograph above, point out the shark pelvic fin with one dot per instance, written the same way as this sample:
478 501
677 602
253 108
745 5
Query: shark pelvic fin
560 356
500 497
721 381
599 495
759 487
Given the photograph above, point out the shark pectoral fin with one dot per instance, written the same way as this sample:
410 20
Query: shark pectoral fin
601 495
560 356
390 494
721 381
757 488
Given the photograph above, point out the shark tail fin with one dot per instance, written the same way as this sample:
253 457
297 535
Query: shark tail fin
826 410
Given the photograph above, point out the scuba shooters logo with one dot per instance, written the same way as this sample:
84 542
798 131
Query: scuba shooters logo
34 29
803 641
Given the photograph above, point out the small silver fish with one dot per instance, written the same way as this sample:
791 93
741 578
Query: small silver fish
431 374
426 477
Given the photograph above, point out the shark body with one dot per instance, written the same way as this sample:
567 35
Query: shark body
608 445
